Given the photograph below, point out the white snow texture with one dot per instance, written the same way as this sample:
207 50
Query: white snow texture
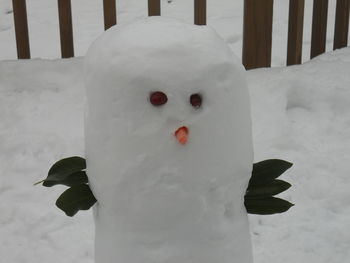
160 201
299 113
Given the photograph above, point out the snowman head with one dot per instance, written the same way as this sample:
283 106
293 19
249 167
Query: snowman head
165 97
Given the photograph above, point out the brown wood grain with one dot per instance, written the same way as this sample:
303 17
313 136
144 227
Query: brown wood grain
21 28
154 7
319 27
200 12
109 13
341 28
66 28
257 33
295 32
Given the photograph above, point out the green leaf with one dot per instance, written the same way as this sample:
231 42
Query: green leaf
270 189
267 206
70 180
64 172
267 171
78 197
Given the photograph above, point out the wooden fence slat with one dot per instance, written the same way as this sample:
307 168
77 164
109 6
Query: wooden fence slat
295 32
66 28
319 27
109 13
257 33
154 7
21 28
341 29
200 12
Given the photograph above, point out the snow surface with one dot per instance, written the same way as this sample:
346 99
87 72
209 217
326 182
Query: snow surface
300 114
158 200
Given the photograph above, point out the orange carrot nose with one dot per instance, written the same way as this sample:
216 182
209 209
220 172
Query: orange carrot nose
181 135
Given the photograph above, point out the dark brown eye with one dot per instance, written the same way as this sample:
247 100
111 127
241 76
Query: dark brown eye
196 100
158 98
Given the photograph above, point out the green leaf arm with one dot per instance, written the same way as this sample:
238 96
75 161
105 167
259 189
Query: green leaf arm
263 185
268 170
68 171
69 180
78 197
267 206
270 189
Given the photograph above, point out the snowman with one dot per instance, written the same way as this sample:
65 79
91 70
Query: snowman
168 145
168 148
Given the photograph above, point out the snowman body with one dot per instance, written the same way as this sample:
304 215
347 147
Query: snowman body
160 201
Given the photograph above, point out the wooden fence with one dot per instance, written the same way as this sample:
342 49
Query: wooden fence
257 32
257 29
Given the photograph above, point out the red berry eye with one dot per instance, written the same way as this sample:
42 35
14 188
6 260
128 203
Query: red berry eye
158 98
196 100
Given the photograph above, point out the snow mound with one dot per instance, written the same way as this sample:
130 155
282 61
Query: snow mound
300 114
158 200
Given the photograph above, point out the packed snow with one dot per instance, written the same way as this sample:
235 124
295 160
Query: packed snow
160 200
299 114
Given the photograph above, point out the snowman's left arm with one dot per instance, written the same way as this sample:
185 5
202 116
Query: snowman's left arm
264 185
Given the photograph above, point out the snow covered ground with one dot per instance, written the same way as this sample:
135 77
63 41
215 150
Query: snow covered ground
300 114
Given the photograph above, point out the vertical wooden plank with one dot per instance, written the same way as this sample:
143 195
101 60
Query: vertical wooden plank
109 13
154 7
295 31
21 28
200 12
341 29
257 33
319 27
66 28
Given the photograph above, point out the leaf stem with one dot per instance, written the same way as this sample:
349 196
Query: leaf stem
39 182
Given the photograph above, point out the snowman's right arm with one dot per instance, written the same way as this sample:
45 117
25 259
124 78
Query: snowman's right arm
71 172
